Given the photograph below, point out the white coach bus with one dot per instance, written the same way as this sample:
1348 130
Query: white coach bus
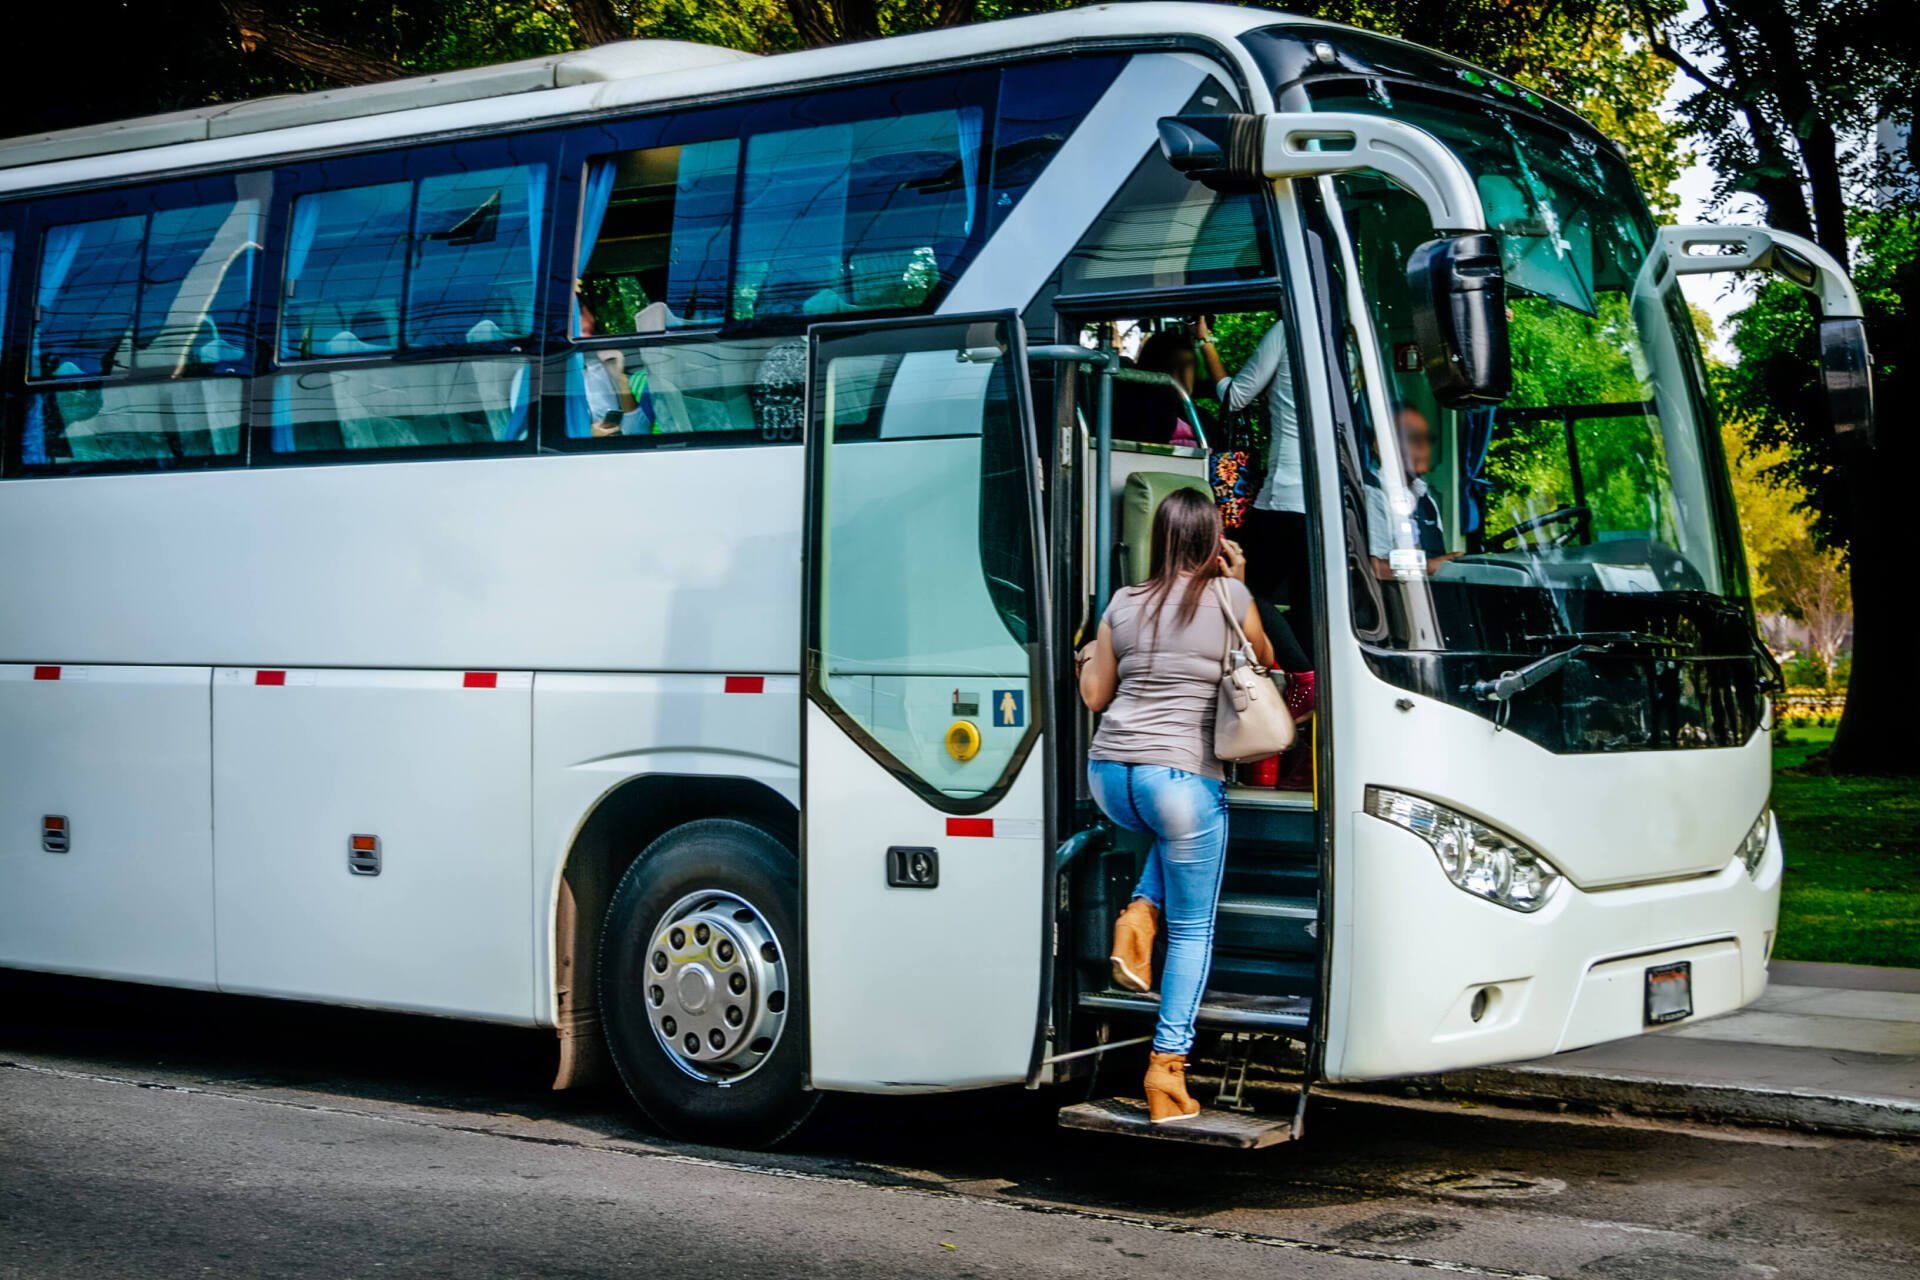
596 543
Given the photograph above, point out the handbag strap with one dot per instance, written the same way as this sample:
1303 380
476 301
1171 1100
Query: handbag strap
1226 607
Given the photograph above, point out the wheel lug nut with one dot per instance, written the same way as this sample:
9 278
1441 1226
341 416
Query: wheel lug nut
737 984
668 1025
659 962
701 933
724 951
678 938
655 995
734 1016
716 1038
692 1042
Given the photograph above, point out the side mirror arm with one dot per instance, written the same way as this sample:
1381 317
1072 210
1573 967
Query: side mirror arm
1846 364
1705 250
1321 144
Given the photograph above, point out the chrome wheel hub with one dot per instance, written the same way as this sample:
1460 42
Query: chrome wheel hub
716 985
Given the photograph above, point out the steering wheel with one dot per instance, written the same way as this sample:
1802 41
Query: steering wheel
1579 520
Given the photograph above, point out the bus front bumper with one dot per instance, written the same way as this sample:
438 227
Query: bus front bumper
1443 980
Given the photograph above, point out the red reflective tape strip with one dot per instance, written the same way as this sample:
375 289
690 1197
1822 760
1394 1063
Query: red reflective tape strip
46 673
269 677
970 826
746 684
482 680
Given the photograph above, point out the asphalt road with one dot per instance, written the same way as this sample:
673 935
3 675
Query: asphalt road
154 1133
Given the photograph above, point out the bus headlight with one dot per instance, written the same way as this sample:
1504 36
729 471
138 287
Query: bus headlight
1484 862
1753 847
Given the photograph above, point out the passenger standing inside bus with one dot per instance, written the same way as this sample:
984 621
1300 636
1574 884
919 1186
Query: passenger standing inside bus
1276 527
1154 671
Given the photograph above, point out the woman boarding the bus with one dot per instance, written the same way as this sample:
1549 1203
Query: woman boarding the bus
1154 671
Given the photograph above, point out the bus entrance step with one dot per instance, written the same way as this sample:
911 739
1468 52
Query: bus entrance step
1208 1129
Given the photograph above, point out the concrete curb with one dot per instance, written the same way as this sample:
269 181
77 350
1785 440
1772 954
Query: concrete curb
1729 1103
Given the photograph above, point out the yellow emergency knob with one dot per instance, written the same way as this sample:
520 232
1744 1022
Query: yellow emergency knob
963 740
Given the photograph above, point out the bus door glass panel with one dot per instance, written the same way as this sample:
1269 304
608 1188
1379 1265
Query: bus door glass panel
924 632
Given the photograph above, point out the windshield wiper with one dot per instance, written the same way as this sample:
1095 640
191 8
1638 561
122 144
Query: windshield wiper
1504 686
1502 689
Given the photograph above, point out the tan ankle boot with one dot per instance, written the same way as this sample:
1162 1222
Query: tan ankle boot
1167 1097
1133 945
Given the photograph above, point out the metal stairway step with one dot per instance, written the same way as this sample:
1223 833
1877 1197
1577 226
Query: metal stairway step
1280 1013
1266 923
1210 1128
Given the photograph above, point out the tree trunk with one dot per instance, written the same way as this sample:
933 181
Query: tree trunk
597 21
1877 729
333 61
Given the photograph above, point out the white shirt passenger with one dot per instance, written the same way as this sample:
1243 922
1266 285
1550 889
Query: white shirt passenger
1380 519
1270 370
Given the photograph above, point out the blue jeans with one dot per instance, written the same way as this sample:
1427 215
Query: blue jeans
1187 814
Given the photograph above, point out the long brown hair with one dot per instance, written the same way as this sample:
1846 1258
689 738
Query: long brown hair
1186 543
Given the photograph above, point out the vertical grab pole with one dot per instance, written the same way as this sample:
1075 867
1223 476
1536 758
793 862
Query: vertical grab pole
1105 361
1103 492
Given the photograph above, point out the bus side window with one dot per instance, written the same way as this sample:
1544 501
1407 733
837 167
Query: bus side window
655 233
142 330
869 215
438 272
1163 231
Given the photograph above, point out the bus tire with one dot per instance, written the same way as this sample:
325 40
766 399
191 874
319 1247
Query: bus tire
700 988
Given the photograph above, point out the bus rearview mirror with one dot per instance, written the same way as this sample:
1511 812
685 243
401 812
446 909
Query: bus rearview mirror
1460 318
1846 371
1221 151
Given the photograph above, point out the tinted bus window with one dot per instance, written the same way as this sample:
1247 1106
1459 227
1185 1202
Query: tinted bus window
670 391
143 327
655 234
871 215
1041 104
1164 231
6 280
445 262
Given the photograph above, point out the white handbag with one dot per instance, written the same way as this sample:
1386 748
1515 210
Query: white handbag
1251 721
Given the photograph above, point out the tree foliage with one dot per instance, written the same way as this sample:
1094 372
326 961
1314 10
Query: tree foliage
1786 98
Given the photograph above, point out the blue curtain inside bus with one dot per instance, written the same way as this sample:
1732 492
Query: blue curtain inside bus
593 212
6 279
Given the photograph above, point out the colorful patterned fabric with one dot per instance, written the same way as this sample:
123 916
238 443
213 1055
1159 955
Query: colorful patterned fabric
1231 473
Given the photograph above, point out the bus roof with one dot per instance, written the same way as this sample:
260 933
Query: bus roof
630 73
626 60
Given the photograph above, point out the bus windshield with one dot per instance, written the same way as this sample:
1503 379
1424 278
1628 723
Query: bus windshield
1593 502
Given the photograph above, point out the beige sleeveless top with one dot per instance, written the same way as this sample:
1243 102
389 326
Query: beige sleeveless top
1169 679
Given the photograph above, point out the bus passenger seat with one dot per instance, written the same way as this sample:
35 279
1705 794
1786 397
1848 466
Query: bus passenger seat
1139 500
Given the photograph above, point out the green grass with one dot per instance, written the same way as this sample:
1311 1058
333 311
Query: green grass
1852 886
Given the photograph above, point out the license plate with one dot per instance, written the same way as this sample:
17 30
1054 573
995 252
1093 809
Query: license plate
1669 992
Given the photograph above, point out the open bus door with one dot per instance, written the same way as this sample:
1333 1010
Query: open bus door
924 778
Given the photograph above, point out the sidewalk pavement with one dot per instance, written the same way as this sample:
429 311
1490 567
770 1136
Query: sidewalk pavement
1829 1046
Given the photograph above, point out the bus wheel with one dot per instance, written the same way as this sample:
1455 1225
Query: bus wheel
699 986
